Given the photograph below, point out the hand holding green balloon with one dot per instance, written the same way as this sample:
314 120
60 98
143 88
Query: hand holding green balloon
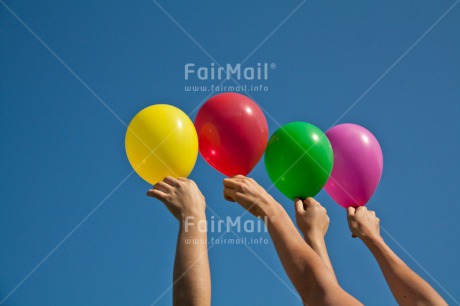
299 159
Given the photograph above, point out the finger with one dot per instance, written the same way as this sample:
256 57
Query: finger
360 210
298 204
354 236
239 176
372 212
157 194
171 181
241 197
162 186
312 200
309 202
230 183
229 194
351 211
183 179
228 198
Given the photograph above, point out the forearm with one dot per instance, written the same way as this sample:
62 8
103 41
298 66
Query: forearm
304 267
319 246
191 277
407 287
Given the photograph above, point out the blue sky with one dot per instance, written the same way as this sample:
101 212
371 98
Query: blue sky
64 169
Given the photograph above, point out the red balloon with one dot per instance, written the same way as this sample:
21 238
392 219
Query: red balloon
232 133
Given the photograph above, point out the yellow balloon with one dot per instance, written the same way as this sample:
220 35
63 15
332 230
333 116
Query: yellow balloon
161 141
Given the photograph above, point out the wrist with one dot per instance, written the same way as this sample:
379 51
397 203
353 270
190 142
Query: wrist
313 237
196 214
193 223
270 208
371 240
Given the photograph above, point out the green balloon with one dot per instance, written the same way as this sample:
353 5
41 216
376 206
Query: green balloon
299 159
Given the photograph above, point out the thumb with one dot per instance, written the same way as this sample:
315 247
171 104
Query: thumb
299 206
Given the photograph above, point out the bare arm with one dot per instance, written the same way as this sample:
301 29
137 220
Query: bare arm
407 287
313 222
191 276
192 283
308 273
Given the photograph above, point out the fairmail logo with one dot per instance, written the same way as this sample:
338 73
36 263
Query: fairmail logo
260 72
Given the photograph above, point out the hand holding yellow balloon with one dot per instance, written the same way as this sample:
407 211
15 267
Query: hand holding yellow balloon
161 141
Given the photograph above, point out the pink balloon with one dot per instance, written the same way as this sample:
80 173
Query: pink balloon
358 165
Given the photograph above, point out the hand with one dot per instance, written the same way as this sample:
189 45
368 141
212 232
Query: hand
363 223
311 218
181 196
246 192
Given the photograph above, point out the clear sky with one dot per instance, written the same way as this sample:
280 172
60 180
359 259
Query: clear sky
64 169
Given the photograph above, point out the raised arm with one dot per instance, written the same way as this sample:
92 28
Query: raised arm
191 276
313 222
310 276
407 287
